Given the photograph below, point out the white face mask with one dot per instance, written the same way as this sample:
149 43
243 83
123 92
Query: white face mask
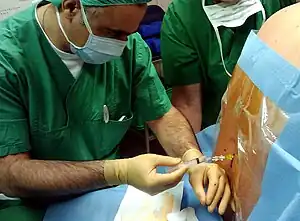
97 50
231 15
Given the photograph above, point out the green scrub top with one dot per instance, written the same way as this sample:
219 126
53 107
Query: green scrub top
45 111
191 53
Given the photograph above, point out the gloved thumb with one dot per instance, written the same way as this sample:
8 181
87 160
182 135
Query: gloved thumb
171 179
166 161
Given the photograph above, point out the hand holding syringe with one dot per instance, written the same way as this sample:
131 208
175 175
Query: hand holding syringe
200 160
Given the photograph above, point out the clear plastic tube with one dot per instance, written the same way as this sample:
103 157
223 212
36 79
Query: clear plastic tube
203 159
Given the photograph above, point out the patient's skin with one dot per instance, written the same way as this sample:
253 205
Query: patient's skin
241 134
241 115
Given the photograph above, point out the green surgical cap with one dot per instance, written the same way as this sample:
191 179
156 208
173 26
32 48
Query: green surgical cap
103 3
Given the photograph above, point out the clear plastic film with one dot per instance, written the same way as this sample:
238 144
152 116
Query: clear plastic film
249 125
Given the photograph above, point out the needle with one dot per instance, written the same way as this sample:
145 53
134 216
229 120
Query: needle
200 160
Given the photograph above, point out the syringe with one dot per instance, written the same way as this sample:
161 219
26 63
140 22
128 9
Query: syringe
200 160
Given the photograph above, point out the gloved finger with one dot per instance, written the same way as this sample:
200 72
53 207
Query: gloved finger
169 186
232 203
205 181
170 178
225 199
166 161
219 194
197 181
213 185
162 188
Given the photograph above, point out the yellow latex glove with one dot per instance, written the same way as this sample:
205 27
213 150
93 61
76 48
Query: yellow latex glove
140 172
201 175
218 190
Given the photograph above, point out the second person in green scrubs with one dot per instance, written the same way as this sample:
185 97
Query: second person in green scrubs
192 61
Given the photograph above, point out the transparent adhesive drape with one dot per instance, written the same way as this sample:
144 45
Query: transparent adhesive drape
250 123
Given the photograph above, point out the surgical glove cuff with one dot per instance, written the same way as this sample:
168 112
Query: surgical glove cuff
115 172
191 154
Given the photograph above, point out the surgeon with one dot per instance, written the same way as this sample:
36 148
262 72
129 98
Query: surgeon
73 75
201 42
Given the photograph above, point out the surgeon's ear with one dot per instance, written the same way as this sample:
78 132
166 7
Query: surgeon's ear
70 7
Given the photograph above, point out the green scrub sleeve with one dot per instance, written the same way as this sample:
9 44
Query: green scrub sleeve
13 122
285 3
151 100
181 63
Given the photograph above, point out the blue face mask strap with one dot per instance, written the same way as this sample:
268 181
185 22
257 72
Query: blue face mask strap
63 31
61 27
85 20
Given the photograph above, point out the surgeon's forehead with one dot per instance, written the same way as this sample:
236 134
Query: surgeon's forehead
121 17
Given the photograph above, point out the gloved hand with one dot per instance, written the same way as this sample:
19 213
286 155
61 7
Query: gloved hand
140 172
201 175
218 191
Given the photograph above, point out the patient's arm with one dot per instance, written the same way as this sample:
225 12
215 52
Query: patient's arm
188 100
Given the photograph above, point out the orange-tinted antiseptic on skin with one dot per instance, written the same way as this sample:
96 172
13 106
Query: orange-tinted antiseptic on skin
250 122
